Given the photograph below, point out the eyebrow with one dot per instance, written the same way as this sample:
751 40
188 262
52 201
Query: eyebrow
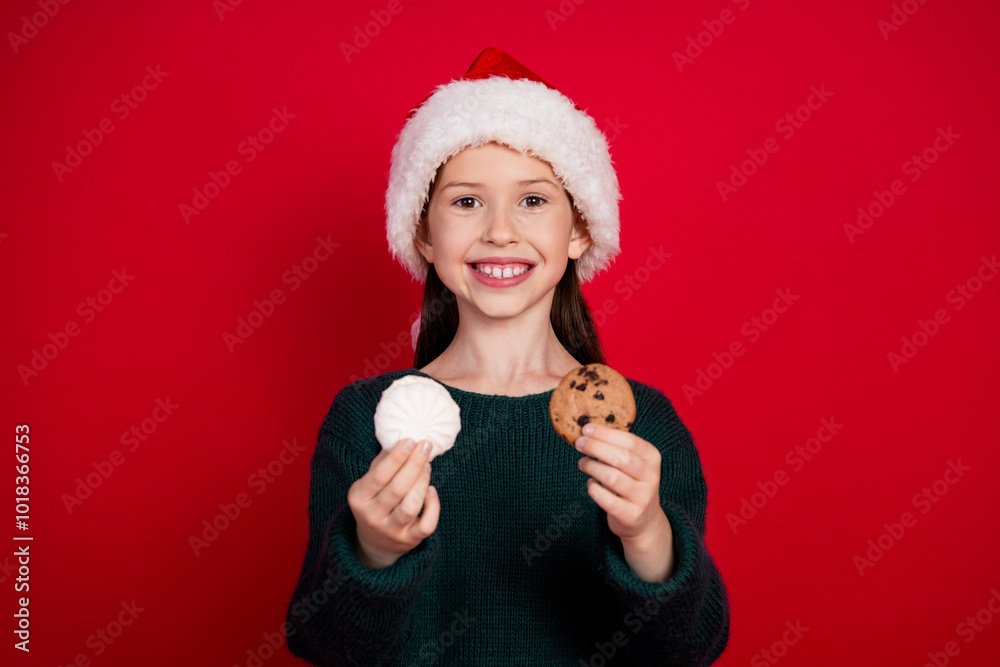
465 184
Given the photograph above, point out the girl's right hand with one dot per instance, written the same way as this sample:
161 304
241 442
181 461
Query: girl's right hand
386 500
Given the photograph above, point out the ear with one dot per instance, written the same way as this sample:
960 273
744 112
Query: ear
582 241
422 241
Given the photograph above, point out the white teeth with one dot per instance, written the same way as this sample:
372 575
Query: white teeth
500 273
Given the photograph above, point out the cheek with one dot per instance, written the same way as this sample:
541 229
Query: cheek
452 245
556 245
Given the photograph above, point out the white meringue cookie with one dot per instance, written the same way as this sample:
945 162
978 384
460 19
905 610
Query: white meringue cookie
419 408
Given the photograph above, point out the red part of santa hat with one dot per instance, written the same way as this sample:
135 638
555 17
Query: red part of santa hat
499 99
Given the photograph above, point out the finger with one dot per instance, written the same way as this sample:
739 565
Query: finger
626 440
613 435
604 498
409 506
381 471
613 479
402 481
428 522
613 455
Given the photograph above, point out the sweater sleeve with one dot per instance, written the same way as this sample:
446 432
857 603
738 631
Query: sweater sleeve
683 621
343 612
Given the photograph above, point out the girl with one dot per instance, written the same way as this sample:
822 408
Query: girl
512 548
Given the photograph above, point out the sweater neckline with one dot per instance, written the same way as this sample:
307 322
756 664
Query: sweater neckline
476 395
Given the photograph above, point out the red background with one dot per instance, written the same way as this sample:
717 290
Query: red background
675 135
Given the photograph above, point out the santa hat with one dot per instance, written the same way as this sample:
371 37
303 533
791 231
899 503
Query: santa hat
501 100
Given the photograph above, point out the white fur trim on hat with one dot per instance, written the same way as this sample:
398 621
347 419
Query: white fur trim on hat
525 115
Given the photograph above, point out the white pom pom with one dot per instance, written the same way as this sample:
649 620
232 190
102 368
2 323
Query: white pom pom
419 408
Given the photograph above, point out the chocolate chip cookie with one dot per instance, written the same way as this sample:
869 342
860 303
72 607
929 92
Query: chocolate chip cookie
591 393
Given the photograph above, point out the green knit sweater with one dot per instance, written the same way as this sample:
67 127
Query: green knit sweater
522 568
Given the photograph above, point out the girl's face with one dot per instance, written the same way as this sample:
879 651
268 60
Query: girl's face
500 228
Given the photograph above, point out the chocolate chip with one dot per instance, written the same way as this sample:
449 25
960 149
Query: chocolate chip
600 382
610 418
582 369
583 420
582 386
592 375
628 425
572 383
598 395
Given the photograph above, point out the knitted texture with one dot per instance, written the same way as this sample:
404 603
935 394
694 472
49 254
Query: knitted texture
522 568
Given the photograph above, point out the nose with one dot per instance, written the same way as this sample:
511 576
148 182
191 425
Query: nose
501 226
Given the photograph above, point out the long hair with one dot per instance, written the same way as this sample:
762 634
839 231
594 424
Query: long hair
570 318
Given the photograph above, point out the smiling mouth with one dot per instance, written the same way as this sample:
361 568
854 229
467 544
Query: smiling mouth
501 271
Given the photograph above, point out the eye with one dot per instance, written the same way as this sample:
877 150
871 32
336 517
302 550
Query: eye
534 201
462 201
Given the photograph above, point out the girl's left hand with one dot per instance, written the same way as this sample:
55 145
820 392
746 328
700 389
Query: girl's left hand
625 482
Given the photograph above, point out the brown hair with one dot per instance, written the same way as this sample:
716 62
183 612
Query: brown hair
570 315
